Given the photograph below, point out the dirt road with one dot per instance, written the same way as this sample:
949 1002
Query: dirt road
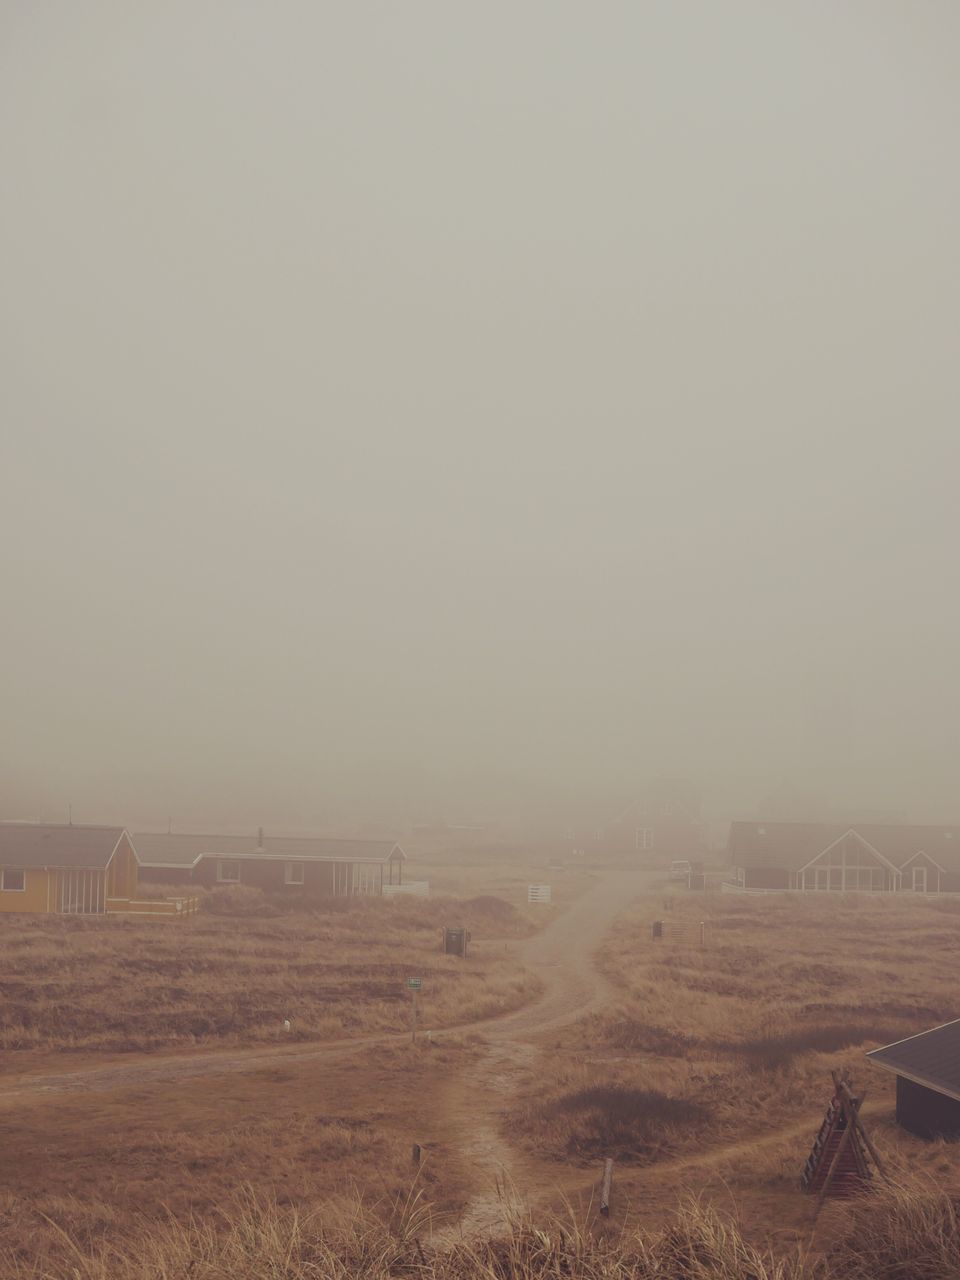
473 1104
559 955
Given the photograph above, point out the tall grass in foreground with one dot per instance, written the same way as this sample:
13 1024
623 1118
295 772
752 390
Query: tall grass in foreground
900 1233
897 1234
256 1240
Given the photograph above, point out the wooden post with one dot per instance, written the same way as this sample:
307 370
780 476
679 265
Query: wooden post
605 1187
416 1153
854 1109
414 1032
701 932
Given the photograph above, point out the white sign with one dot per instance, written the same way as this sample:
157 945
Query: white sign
538 893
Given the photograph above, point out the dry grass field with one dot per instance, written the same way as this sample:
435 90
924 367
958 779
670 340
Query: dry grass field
712 1068
707 1043
705 1072
108 985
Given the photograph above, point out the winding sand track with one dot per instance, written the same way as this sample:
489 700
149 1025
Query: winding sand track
470 1109
559 955
474 1103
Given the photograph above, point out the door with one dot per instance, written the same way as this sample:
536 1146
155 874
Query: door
919 879
821 878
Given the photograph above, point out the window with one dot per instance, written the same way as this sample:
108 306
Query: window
644 837
14 880
293 873
228 872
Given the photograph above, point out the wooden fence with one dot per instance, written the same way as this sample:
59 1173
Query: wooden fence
691 933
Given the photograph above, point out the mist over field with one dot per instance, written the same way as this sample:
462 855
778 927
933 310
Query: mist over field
423 411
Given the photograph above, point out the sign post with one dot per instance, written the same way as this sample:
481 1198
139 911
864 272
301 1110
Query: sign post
414 984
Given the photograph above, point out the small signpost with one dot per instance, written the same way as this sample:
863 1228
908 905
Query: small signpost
605 1187
538 893
414 985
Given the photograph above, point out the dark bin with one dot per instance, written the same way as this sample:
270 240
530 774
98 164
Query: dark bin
455 942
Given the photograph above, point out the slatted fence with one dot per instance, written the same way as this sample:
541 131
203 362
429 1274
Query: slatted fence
690 933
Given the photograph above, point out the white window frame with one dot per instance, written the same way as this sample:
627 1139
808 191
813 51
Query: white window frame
289 868
227 862
643 837
8 888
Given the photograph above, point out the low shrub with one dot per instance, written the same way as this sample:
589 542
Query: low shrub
776 1051
615 1119
238 900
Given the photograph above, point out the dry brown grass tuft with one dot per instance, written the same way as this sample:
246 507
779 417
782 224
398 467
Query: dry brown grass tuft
255 1239
905 1233
902 1232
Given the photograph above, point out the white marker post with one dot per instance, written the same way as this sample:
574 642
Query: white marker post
414 984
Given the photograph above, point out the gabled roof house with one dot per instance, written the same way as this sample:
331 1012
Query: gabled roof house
66 869
319 865
843 858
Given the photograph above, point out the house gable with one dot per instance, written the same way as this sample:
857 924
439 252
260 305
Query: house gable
842 845
922 853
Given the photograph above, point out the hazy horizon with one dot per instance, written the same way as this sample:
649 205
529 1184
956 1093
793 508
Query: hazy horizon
426 411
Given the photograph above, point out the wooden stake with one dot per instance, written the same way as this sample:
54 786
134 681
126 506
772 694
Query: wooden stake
842 1088
605 1188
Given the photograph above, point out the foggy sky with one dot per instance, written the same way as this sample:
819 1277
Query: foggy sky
444 410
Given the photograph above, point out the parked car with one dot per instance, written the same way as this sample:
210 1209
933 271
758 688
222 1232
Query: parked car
679 869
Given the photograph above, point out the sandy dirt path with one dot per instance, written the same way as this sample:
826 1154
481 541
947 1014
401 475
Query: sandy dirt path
559 955
474 1103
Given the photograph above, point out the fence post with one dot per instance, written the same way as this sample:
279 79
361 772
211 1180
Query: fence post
701 932
605 1187
416 1153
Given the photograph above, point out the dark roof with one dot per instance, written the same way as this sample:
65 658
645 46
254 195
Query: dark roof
30 844
186 850
793 844
931 1058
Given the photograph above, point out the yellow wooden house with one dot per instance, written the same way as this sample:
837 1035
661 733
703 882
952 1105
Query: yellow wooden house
73 870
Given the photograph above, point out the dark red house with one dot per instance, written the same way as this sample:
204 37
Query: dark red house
879 857
927 1067
322 866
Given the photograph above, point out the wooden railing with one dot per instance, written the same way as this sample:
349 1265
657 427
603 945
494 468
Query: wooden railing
167 907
